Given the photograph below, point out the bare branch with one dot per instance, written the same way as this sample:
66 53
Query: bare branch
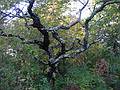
37 24
40 61
39 43
60 27
24 41
97 10
61 41
72 54
3 34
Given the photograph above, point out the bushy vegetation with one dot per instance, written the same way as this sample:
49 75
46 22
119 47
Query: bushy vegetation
92 46
18 74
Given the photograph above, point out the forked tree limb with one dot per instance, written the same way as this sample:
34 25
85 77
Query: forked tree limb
37 24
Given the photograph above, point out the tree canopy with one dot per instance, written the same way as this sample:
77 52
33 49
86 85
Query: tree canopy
43 48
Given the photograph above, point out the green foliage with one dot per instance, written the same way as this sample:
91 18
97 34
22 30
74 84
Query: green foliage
20 74
82 77
20 71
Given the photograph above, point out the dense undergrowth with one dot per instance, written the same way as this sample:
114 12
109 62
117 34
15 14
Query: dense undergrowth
96 69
